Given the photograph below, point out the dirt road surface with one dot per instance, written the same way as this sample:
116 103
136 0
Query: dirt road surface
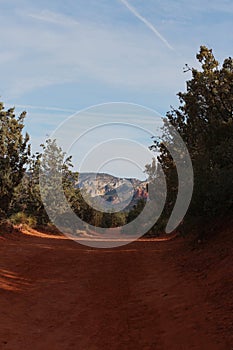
56 294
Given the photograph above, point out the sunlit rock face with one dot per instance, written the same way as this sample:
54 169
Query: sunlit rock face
111 187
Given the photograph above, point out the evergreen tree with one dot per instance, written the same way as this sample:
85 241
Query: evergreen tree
14 155
204 120
54 166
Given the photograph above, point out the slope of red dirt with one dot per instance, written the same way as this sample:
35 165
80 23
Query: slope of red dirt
56 294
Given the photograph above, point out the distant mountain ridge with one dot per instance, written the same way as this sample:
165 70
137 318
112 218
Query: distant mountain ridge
111 188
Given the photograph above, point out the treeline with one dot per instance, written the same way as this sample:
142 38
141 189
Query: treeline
204 120
21 172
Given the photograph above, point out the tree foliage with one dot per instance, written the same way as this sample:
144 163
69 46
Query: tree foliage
204 120
14 155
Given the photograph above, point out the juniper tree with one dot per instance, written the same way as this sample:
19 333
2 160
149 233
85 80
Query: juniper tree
204 119
14 155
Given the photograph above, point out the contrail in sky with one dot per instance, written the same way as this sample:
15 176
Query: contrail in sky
146 22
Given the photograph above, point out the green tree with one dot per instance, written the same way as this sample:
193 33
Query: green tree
136 210
204 120
55 166
112 220
14 155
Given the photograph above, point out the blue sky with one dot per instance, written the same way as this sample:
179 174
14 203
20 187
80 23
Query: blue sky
58 57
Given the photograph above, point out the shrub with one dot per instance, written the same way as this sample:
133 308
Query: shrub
22 218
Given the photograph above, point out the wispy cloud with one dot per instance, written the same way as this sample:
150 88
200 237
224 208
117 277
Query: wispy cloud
49 52
146 22
41 108
53 18
116 57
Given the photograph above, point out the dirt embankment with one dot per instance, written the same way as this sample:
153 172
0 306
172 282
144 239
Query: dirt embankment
56 294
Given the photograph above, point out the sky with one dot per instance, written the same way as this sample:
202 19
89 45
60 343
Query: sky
58 58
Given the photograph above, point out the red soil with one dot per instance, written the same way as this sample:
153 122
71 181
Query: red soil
56 294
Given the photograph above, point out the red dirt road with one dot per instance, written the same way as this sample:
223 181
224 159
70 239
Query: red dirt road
56 294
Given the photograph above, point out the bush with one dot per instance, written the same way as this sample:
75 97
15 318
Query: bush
22 218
